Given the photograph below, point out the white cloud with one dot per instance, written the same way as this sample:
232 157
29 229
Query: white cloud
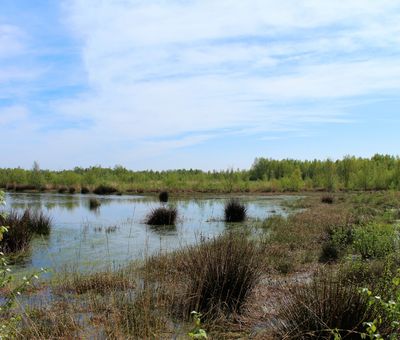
166 74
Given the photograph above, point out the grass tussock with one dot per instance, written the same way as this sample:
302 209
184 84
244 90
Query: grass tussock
105 190
327 199
18 236
62 190
313 310
22 226
220 274
39 223
234 211
85 190
94 203
162 216
163 196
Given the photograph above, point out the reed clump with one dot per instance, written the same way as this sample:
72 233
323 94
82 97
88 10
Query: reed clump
328 302
18 236
220 273
163 196
62 190
94 203
235 211
162 216
22 226
327 199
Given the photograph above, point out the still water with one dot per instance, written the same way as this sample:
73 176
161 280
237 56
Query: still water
115 233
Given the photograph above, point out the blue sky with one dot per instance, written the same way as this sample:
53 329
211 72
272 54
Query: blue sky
204 84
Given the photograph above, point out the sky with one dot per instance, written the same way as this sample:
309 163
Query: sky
207 84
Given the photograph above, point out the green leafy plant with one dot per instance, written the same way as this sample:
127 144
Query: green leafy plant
376 240
197 332
389 313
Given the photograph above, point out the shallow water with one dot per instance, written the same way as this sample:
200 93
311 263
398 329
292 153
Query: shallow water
115 233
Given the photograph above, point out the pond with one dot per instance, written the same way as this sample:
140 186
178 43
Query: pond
85 239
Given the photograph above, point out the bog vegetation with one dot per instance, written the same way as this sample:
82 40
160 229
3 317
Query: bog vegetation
329 270
381 172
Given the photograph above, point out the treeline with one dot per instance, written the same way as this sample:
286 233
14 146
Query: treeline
381 172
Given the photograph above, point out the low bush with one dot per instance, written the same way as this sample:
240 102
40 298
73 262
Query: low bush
235 211
376 240
162 216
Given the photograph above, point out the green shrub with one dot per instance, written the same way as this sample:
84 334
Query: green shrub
376 240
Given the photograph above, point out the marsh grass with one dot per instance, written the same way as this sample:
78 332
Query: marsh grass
24 187
234 211
221 274
98 282
62 190
162 216
328 199
313 310
39 223
19 234
52 322
229 279
22 226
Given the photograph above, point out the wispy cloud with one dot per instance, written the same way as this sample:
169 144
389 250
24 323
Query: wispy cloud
164 75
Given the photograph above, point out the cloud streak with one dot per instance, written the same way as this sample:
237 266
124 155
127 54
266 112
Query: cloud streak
164 75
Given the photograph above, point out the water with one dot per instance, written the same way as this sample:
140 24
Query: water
116 233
